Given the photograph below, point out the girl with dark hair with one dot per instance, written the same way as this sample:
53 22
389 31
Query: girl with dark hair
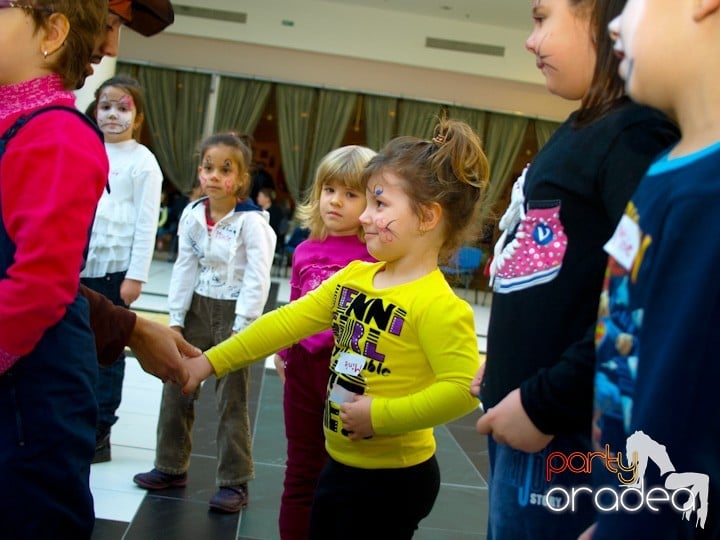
123 234
548 268
219 284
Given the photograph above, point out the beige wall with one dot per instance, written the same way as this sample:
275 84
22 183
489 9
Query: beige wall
346 73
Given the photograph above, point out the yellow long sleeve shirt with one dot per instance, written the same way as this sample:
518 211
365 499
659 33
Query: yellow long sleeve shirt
412 348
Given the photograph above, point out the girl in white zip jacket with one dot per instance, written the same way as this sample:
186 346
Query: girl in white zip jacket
219 284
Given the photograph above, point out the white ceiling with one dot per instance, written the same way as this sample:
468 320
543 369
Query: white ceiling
505 13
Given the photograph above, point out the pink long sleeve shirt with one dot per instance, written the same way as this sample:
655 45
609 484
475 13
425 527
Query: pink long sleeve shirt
52 174
313 262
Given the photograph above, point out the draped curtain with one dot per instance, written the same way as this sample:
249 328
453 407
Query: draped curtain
334 110
240 104
380 120
504 139
175 111
418 118
311 122
473 117
295 109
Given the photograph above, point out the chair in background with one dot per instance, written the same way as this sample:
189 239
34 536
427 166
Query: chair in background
284 259
464 267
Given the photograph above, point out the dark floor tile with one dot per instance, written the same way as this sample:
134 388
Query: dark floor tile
106 529
163 518
260 518
473 444
459 514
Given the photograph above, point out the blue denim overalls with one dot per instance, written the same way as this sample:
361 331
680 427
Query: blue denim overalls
47 420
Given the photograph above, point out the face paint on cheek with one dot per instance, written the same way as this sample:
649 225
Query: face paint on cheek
203 180
114 121
229 187
127 102
384 233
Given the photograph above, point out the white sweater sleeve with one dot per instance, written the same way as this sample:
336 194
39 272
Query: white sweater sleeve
147 185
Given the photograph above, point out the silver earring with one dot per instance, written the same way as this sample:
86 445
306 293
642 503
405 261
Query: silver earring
45 53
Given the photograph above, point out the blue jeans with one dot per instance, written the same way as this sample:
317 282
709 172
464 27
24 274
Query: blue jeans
518 484
108 389
47 434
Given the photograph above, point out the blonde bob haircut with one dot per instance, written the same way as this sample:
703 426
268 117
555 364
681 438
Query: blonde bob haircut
343 165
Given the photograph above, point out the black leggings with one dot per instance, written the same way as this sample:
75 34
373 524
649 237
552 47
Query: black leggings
353 503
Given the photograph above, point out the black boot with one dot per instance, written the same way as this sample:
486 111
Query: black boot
102 445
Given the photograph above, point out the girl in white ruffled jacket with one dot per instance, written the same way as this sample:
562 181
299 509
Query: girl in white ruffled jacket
123 234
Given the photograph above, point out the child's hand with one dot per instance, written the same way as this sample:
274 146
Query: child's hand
130 290
355 416
476 383
509 424
280 367
199 368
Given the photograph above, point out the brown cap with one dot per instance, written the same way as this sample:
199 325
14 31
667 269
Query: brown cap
147 17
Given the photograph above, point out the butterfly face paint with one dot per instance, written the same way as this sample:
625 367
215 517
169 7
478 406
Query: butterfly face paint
382 224
218 173
385 211
115 113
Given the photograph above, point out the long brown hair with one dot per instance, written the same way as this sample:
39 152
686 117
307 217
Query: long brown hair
607 85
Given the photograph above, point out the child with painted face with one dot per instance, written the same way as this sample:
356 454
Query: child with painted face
123 234
405 349
663 284
219 284
53 169
548 269
331 214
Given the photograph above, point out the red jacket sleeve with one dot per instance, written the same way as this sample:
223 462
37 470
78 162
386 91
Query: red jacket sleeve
53 173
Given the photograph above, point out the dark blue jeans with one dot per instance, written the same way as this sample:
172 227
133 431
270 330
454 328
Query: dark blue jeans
47 434
110 379
518 484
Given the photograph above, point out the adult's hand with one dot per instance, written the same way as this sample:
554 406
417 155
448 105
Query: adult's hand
161 350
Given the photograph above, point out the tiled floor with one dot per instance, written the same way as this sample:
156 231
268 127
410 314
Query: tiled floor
127 512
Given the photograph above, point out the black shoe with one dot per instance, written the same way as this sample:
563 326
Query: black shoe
102 448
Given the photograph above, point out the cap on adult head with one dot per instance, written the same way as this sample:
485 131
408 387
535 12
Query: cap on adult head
146 17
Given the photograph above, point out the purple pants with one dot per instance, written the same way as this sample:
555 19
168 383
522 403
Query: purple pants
304 396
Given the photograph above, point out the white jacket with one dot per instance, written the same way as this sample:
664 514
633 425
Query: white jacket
231 263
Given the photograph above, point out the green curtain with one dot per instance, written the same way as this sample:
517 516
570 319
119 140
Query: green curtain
331 122
544 130
380 119
504 139
240 103
295 109
176 105
475 118
418 118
